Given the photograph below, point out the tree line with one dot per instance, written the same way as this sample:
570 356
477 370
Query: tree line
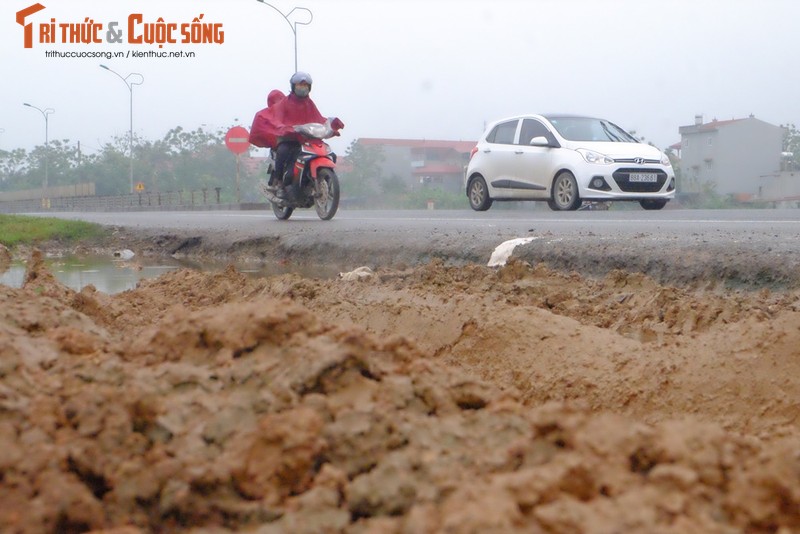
185 160
193 160
182 161
791 144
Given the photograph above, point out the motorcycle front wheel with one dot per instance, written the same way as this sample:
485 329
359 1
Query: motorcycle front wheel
326 194
282 212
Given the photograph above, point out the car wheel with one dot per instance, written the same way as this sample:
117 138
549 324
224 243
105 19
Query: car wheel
653 204
564 196
478 194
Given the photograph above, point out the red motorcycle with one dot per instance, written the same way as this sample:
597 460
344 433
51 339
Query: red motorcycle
314 181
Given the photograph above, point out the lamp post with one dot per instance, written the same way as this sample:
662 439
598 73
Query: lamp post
45 112
129 85
292 25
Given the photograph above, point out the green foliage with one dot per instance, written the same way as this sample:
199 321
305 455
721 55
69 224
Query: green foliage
364 184
713 202
20 229
676 167
709 199
12 164
419 199
393 186
791 143
182 160
363 180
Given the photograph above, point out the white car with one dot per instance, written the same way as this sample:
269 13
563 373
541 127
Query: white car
566 160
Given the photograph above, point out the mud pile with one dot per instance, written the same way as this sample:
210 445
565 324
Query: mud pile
434 399
5 258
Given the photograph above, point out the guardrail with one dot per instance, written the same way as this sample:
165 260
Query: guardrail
83 189
202 199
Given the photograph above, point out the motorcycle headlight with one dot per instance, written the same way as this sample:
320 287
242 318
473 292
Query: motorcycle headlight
594 157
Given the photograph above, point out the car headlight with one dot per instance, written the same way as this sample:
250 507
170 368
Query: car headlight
594 157
665 160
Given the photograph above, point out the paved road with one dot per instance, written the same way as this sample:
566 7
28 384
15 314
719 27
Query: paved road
751 248
710 223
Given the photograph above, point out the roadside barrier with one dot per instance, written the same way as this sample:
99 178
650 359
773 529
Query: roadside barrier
202 199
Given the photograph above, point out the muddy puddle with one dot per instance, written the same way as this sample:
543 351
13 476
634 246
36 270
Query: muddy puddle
112 275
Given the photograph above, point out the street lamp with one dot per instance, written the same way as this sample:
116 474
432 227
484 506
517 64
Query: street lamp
292 25
45 112
129 85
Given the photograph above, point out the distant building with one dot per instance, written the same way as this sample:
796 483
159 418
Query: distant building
782 189
424 163
729 157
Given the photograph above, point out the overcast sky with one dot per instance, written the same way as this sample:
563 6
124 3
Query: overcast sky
432 69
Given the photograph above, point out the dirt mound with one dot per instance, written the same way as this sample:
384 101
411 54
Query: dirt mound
433 399
5 258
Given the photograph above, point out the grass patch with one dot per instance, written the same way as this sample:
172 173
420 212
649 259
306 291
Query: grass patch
24 230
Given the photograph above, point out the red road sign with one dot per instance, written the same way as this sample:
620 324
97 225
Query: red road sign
237 140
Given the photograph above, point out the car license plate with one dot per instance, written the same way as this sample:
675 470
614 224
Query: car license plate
642 177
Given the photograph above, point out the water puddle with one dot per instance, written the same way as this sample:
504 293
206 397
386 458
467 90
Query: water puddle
117 275
106 275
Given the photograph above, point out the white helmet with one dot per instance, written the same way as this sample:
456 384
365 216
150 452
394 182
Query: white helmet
300 77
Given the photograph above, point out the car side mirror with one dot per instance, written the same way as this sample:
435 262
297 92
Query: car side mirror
540 141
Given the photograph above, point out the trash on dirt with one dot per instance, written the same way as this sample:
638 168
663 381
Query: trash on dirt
594 206
360 273
503 251
124 254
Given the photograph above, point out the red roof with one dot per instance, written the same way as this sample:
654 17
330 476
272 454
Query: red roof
714 124
459 146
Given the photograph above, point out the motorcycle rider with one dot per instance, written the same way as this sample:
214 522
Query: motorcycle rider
297 108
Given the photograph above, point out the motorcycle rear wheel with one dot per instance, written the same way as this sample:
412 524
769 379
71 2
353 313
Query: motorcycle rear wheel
326 194
282 212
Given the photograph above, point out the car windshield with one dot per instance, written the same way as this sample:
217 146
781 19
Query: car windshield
590 129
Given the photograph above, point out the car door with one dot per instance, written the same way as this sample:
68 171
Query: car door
533 165
497 156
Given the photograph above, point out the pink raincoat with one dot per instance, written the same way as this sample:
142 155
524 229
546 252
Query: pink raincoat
276 122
